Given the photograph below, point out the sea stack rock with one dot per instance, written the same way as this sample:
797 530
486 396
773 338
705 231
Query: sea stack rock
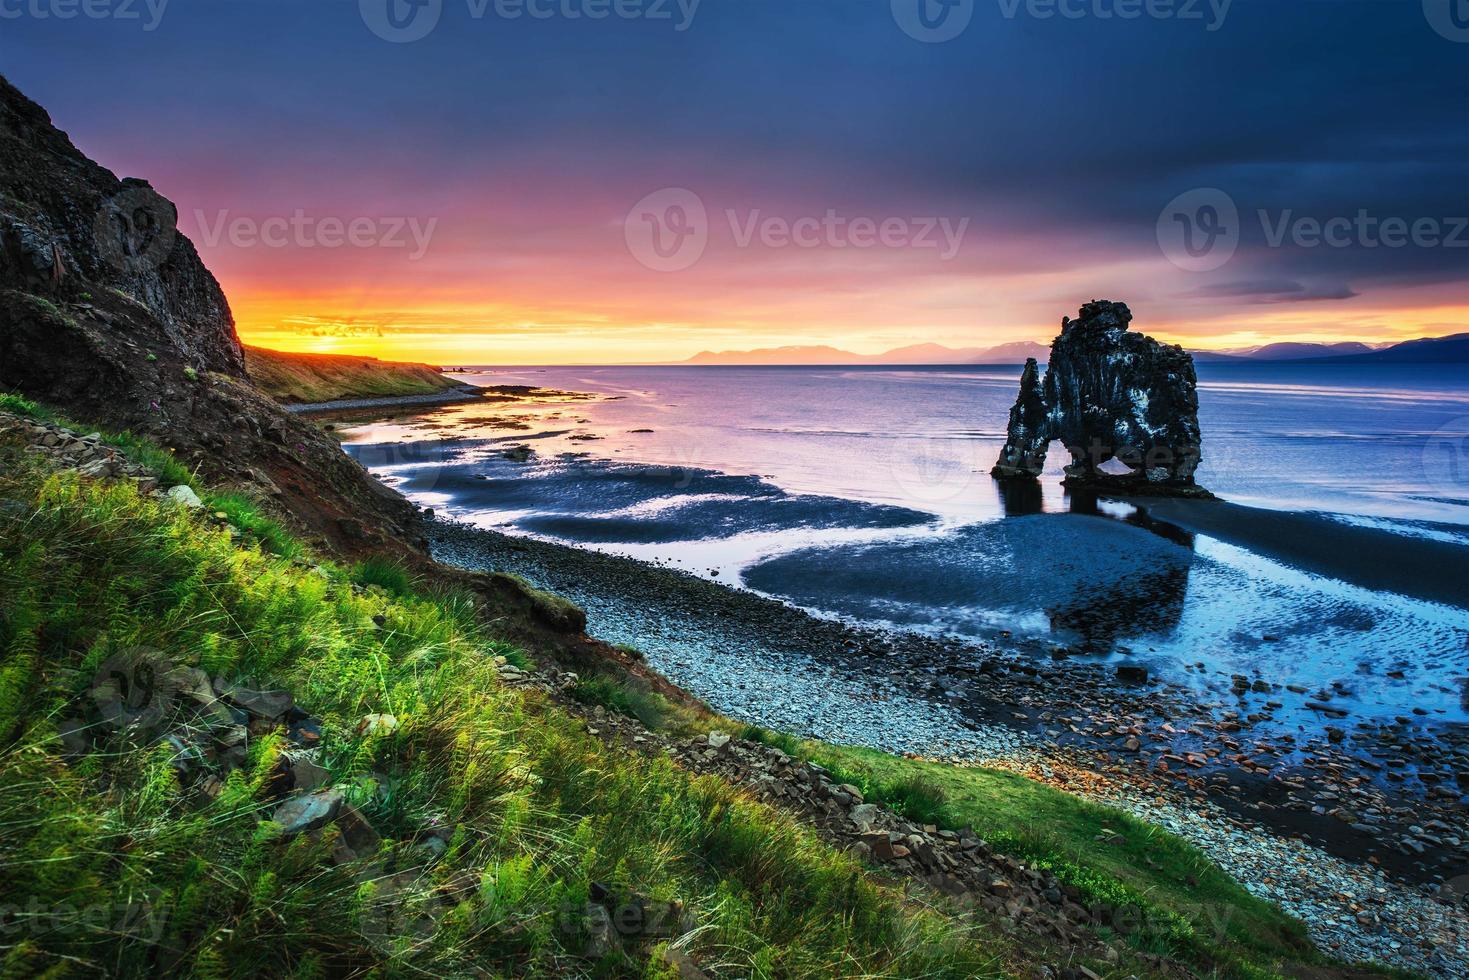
1030 426
1109 394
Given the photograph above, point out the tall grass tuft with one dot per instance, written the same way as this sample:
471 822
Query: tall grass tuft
388 574
246 515
646 706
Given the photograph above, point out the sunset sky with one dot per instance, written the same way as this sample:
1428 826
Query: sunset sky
517 149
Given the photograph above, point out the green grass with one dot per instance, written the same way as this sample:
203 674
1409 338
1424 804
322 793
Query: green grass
141 449
127 867
1168 896
538 809
126 296
514 657
652 709
20 405
51 310
388 574
245 515
327 377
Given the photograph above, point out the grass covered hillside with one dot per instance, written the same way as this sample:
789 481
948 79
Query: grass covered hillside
311 378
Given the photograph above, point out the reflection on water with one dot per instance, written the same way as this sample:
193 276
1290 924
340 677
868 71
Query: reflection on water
1020 497
1143 602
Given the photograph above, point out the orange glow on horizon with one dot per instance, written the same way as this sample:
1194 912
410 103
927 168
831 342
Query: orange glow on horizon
455 330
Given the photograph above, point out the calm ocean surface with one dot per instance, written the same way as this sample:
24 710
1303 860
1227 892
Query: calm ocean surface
864 492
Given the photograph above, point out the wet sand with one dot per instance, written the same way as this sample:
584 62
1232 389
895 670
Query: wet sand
1420 567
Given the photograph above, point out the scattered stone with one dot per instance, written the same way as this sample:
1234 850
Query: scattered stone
308 812
306 775
269 706
184 496
378 724
1132 673
863 816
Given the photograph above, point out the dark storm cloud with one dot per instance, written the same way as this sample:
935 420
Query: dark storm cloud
1078 127
1275 291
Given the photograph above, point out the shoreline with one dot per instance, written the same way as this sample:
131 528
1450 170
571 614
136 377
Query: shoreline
465 394
1152 749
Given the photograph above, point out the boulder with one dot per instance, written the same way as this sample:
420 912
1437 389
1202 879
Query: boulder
356 837
184 496
269 706
306 774
308 812
1132 673
136 689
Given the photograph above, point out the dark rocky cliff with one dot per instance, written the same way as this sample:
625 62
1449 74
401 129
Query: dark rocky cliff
108 314
1109 394
68 225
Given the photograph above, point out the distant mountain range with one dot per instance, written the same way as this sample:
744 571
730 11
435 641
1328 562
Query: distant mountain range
1012 353
1451 349
1286 352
